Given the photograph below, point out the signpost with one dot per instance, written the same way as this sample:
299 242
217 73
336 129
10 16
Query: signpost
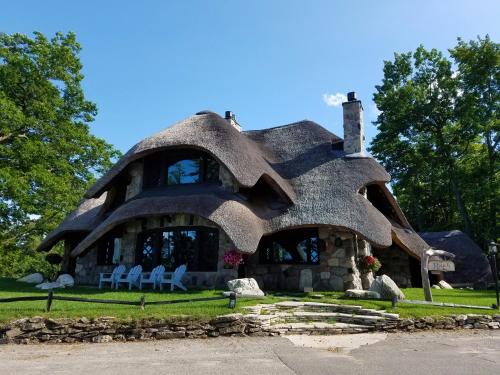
434 260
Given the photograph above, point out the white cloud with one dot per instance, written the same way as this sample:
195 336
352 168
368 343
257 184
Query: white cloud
334 100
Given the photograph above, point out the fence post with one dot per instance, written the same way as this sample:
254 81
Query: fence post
143 302
232 300
394 302
49 300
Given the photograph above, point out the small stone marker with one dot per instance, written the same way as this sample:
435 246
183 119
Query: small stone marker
305 280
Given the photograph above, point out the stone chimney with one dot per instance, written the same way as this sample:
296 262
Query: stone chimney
354 128
231 118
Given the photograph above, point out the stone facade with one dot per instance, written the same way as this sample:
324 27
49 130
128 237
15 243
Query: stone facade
135 171
337 269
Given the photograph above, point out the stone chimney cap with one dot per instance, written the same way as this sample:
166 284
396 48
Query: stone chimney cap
351 96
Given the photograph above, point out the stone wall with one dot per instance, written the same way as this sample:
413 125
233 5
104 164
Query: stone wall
395 264
107 329
337 269
87 271
135 171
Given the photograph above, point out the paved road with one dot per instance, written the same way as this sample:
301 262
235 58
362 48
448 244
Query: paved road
419 353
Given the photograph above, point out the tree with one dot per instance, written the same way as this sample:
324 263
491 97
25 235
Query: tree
438 127
478 64
48 157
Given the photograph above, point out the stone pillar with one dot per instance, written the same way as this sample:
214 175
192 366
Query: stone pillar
353 278
365 249
354 129
135 185
129 241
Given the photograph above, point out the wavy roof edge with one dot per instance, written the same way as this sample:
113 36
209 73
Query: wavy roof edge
211 133
83 219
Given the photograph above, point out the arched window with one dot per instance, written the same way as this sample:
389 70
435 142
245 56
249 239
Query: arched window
175 167
297 246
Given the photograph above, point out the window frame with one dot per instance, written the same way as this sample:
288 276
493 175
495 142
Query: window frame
152 178
202 233
285 239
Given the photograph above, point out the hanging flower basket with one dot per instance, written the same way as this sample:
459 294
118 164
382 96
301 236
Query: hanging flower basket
232 259
370 263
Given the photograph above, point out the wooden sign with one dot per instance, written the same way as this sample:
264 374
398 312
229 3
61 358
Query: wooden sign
441 265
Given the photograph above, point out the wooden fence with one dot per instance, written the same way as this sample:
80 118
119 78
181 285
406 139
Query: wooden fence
51 297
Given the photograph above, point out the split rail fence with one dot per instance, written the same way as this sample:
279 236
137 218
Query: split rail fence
51 297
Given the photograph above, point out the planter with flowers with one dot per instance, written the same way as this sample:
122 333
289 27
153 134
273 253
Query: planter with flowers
232 259
370 263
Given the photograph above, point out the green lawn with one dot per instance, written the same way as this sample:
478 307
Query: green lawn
207 309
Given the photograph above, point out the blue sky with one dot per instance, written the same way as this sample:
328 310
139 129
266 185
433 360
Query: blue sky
148 64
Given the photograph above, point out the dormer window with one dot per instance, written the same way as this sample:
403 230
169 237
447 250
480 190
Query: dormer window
177 167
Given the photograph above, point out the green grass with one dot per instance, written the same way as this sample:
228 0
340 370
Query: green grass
208 309
195 310
406 310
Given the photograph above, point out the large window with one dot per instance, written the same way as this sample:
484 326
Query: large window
179 167
298 246
198 247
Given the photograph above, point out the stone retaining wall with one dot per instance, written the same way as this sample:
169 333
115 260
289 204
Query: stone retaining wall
107 329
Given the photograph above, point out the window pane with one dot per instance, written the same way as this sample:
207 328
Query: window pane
148 253
167 251
198 247
184 172
299 246
152 170
209 250
211 170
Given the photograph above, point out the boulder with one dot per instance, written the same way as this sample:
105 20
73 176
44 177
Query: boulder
49 285
359 293
245 287
444 285
386 287
66 280
32 278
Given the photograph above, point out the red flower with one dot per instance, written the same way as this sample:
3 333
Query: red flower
369 260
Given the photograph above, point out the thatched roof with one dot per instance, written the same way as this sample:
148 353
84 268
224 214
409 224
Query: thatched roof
216 205
211 133
471 264
322 184
409 240
83 219
326 184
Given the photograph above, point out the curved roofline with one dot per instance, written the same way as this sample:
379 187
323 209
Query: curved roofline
212 134
233 217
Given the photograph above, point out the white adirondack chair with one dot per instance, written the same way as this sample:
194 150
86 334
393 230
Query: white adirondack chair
152 277
132 278
174 279
107 277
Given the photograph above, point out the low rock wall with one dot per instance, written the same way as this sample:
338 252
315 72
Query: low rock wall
108 329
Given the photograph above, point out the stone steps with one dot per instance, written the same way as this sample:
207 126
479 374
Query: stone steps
318 308
320 328
293 317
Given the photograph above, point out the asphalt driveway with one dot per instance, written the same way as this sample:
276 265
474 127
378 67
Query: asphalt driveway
418 353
